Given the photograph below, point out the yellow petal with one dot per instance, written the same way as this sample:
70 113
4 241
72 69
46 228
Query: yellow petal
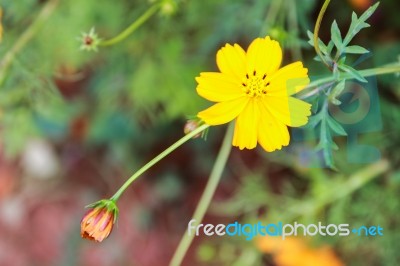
272 134
288 80
218 87
288 110
245 135
223 112
263 56
231 60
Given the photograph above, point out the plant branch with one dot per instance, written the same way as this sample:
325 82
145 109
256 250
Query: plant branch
206 197
135 25
383 70
342 190
156 159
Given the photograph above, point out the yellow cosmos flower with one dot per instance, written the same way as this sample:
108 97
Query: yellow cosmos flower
252 90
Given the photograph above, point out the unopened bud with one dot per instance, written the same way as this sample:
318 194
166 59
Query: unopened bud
190 126
98 222
89 41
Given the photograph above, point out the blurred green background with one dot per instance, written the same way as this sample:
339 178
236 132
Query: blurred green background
74 125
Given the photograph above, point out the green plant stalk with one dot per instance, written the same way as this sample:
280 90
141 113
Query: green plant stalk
206 197
156 159
383 70
26 36
270 18
316 32
135 25
342 190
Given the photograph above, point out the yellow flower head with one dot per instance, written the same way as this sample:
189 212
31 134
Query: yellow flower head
253 90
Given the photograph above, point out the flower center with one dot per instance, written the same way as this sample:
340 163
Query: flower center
255 85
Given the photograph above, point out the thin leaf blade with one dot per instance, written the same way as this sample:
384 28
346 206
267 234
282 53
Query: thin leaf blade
336 36
355 49
354 73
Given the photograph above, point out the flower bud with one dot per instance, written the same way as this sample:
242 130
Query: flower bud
98 222
190 126
89 41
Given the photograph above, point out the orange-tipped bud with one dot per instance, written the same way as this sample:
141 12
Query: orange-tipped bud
98 222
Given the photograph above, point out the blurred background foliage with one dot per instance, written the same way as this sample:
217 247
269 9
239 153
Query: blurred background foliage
74 125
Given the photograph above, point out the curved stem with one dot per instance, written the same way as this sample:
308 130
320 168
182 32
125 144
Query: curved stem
206 197
316 32
26 36
156 159
128 31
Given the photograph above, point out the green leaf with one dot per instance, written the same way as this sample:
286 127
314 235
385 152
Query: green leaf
355 49
337 90
342 60
315 105
358 24
313 121
335 101
325 144
330 47
322 46
354 17
335 126
369 12
328 126
334 146
354 73
310 38
317 58
327 59
336 36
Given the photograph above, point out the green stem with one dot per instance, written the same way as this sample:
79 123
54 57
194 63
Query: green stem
339 191
388 69
205 199
377 71
316 32
28 34
270 18
156 160
136 24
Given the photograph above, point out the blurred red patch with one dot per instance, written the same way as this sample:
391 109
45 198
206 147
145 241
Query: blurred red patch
361 5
